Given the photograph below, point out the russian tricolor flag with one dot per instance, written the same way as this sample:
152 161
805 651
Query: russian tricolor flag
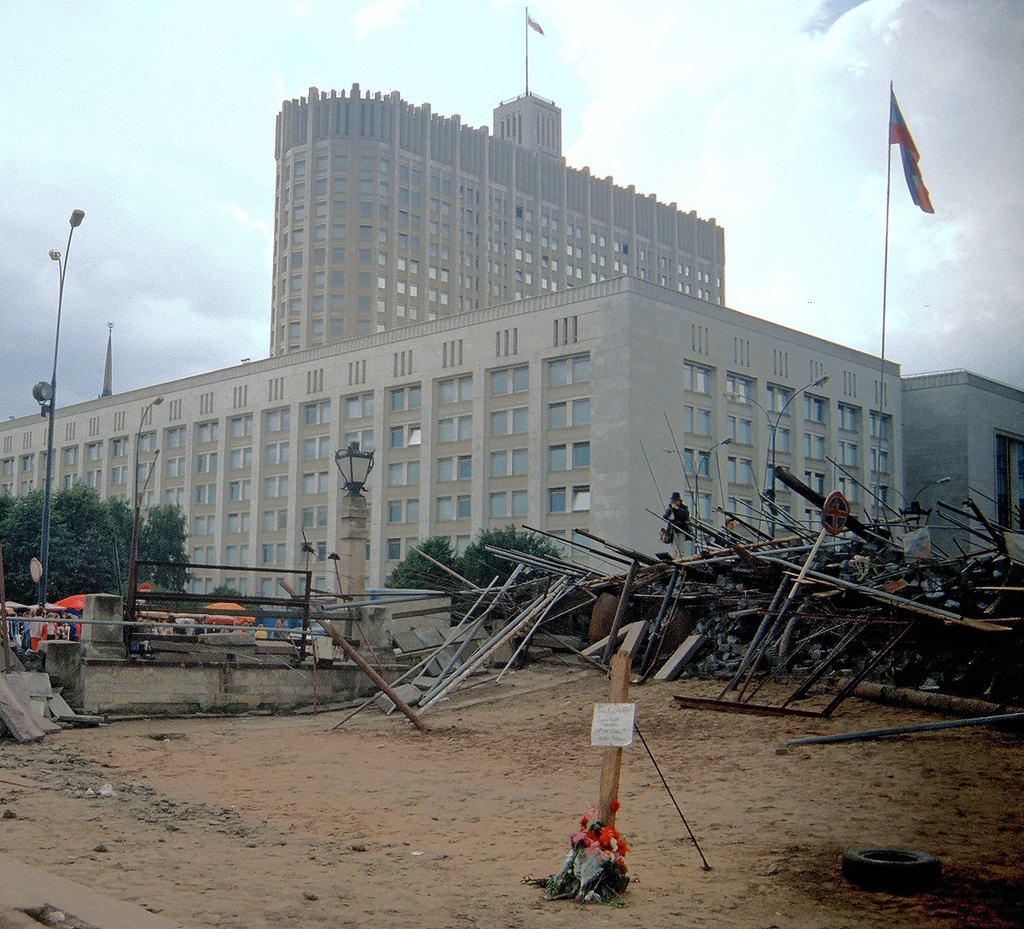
899 135
533 25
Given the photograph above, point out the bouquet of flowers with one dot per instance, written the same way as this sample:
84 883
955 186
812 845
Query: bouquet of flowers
595 869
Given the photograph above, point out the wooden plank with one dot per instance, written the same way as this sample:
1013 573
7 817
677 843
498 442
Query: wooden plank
632 640
591 651
19 719
671 669
753 709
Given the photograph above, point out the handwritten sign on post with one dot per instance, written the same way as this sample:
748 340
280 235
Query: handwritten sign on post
612 726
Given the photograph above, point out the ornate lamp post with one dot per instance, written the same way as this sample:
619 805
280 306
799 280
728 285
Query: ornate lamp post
46 396
773 429
355 467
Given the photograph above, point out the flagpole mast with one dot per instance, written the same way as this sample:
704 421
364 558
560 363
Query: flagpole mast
526 29
885 291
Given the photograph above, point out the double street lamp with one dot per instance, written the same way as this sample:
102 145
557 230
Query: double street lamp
46 396
773 430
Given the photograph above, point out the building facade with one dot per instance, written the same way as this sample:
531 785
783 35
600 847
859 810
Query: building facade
963 437
388 215
580 409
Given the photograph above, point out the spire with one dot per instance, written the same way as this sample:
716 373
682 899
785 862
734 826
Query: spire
108 373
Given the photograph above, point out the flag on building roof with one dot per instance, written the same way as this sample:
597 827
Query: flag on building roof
534 26
899 135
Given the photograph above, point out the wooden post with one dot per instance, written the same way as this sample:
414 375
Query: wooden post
611 765
3 616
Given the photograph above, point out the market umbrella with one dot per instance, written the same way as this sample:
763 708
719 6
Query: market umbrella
75 602
229 613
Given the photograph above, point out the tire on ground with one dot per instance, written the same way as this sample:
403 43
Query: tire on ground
892 869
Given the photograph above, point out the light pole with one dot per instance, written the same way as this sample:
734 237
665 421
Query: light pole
46 395
353 535
705 456
773 429
913 507
156 401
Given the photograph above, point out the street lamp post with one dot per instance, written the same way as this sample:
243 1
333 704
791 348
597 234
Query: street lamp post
704 456
355 467
913 507
133 554
46 395
773 430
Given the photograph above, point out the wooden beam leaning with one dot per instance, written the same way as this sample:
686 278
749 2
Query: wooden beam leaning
358 659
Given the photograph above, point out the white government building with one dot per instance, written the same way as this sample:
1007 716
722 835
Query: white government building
517 341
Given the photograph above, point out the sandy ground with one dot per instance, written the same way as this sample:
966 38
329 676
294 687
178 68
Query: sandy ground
285 821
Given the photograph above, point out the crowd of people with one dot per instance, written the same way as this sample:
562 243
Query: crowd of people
38 625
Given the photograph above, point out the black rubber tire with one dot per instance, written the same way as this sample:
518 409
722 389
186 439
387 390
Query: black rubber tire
899 870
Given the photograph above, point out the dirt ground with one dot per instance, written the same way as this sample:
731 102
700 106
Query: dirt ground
286 821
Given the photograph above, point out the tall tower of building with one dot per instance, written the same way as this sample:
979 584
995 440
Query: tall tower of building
388 214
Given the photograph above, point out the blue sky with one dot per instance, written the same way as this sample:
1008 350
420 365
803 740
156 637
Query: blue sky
158 120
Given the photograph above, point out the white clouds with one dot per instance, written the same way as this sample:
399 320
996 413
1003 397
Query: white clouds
770 117
383 14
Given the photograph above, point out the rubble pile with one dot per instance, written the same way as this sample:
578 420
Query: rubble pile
870 603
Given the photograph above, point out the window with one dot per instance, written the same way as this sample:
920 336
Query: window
175 467
276 453
238 522
316 447
815 480
406 398
697 379
814 445
580 455
208 432
463 506
173 438
814 408
581 498
498 505
394 547
880 460
848 454
445 509
93 451
881 426
240 490
849 417
206 493
741 388
240 457
275 486
402 473
739 430
403 436
697 420
573 370
454 390
510 380
778 397
278 420
557 460
510 422
556 499
315 482
318 414
314 517
455 429
359 406
206 463
274 520
240 425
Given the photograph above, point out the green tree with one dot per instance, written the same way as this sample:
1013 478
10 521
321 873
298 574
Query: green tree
162 538
417 573
481 566
90 542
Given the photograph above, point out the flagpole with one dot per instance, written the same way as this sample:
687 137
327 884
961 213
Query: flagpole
526 29
885 291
